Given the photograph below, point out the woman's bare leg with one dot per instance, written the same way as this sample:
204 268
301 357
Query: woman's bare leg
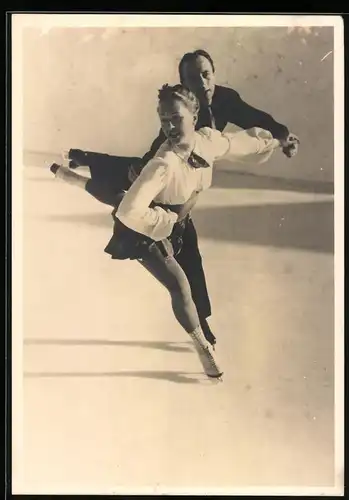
169 273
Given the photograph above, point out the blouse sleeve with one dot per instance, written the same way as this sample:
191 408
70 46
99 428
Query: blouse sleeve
134 211
254 145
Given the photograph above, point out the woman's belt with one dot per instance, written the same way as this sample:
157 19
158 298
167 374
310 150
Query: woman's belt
129 244
174 208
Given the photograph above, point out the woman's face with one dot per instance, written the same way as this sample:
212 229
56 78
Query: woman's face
177 121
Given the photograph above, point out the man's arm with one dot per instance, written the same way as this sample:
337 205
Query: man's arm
136 167
245 116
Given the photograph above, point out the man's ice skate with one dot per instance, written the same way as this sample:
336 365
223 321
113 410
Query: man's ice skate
206 330
211 339
206 355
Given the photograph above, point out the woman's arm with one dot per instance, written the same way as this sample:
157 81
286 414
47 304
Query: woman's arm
254 145
134 211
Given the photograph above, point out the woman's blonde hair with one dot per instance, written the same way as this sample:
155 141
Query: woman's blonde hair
168 93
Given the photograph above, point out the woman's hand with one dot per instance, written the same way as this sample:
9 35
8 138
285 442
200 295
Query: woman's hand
132 174
134 171
290 145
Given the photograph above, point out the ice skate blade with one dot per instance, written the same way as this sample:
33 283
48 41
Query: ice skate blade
218 378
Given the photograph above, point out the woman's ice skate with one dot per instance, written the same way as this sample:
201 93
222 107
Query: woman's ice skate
206 355
67 175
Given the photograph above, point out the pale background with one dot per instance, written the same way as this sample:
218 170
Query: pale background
96 88
114 398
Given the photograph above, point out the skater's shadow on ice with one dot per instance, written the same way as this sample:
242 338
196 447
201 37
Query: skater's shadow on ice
224 177
148 344
278 225
170 376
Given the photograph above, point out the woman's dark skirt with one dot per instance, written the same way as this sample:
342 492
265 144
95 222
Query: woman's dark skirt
128 244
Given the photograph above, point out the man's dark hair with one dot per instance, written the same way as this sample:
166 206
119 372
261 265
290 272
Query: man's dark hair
191 57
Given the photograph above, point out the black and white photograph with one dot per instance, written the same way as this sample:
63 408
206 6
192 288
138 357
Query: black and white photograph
177 254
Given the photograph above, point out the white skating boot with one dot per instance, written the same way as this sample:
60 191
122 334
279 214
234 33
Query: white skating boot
67 175
206 354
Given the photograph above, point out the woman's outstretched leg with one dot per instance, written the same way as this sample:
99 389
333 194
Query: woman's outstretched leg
162 265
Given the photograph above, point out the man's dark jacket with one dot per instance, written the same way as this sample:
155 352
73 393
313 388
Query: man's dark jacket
228 107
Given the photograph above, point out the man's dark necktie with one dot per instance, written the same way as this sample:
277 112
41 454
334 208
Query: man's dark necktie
206 118
212 120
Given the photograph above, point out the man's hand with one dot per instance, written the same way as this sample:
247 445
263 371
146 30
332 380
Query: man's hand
134 171
290 145
187 207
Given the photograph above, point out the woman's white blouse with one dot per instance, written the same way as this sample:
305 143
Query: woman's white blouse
170 180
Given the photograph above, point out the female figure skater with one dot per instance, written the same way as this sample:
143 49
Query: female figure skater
111 175
154 212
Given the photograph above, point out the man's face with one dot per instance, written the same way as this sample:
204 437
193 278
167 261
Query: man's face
199 77
177 121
